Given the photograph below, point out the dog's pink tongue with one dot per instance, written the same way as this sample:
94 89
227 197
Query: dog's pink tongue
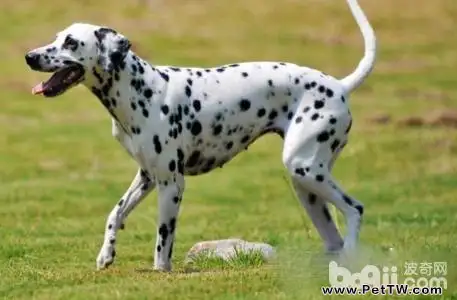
38 89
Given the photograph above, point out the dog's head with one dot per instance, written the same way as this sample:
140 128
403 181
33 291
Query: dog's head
76 51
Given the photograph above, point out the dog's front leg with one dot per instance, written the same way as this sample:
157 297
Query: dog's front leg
141 185
170 194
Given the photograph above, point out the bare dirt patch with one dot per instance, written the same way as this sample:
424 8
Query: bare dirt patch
439 118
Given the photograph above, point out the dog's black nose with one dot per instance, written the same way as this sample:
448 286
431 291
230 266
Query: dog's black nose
33 60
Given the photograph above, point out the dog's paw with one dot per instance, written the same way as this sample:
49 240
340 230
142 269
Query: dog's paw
105 257
162 267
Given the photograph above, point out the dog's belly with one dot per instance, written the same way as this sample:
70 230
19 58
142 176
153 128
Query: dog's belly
205 156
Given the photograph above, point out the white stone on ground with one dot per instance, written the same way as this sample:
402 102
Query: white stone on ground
228 249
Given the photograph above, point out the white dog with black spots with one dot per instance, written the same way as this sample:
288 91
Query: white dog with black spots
187 121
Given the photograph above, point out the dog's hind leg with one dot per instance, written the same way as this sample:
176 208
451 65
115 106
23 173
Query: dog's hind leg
309 153
318 211
140 187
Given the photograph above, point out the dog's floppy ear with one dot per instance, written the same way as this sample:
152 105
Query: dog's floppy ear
112 48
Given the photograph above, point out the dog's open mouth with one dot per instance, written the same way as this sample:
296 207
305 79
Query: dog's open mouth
60 81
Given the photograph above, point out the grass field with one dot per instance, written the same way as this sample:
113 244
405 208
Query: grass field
62 172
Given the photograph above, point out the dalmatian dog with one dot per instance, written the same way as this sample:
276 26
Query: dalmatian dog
178 121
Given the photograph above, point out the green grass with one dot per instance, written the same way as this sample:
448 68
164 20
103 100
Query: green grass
62 172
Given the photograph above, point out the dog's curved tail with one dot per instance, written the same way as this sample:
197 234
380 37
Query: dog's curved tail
355 79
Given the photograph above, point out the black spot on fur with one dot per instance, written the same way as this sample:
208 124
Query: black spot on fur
188 91
261 112
171 119
197 105
245 104
172 166
165 110
360 209
315 116
300 171
329 93
323 137
298 120
348 200
217 129
164 76
335 145
193 159
172 225
147 93
70 43
229 145
245 139
196 128
318 104
327 214
332 120
145 113
319 178
163 232
312 198
244 74
170 253
135 130
273 114
180 161
157 145
321 89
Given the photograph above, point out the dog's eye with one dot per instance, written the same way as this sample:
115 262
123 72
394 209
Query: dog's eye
70 43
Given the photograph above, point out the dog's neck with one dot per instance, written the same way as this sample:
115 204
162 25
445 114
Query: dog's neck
129 91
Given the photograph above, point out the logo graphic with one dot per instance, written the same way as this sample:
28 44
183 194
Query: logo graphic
421 275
